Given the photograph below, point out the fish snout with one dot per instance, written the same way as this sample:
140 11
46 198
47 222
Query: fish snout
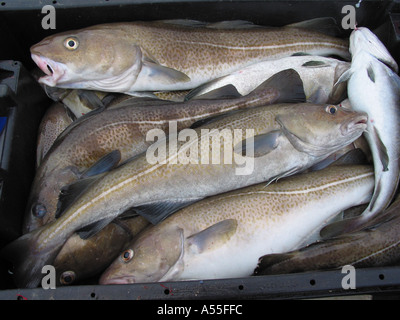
357 123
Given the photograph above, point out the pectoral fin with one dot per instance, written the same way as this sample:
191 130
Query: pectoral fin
71 192
213 237
262 144
158 211
157 73
382 151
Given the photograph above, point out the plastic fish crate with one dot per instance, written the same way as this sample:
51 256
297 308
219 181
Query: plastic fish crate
23 102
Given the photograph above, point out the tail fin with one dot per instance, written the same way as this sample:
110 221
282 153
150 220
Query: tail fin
289 85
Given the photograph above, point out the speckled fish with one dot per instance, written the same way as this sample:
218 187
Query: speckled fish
168 55
223 236
80 259
88 148
376 246
284 139
54 121
374 88
319 75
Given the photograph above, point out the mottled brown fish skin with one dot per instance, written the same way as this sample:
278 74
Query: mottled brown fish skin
122 127
80 259
269 218
378 246
202 54
54 121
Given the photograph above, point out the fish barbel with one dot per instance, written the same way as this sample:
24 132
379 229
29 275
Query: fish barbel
223 236
284 139
167 55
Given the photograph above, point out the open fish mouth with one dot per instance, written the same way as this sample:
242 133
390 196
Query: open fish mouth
53 70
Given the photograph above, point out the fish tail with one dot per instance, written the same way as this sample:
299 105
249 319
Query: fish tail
26 260
289 85
269 264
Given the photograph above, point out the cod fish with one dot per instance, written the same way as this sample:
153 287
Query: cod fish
54 121
319 75
168 55
374 88
89 148
223 236
284 139
80 259
375 246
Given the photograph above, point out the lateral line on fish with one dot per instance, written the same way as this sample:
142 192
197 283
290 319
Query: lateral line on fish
263 47
378 252
325 186
200 116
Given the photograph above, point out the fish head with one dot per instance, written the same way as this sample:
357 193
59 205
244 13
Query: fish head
156 253
74 59
322 129
43 199
363 39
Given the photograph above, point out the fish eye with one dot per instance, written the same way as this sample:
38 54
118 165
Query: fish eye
67 277
39 210
71 43
331 109
127 255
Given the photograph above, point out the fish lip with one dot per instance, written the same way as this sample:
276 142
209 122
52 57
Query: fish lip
53 70
356 124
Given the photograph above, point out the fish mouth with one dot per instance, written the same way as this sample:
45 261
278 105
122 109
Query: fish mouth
53 70
359 123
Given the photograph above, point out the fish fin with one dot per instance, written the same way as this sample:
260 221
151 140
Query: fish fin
341 227
184 22
315 64
226 92
90 99
382 151
156 212
199 89
344 77
268 260
339 90
156 72
284 175
213 236
325 25
233 24
371 74
262 144
69 193
289 85
26 261
318 96
300 54
93 228
104 164
212 119
377 192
